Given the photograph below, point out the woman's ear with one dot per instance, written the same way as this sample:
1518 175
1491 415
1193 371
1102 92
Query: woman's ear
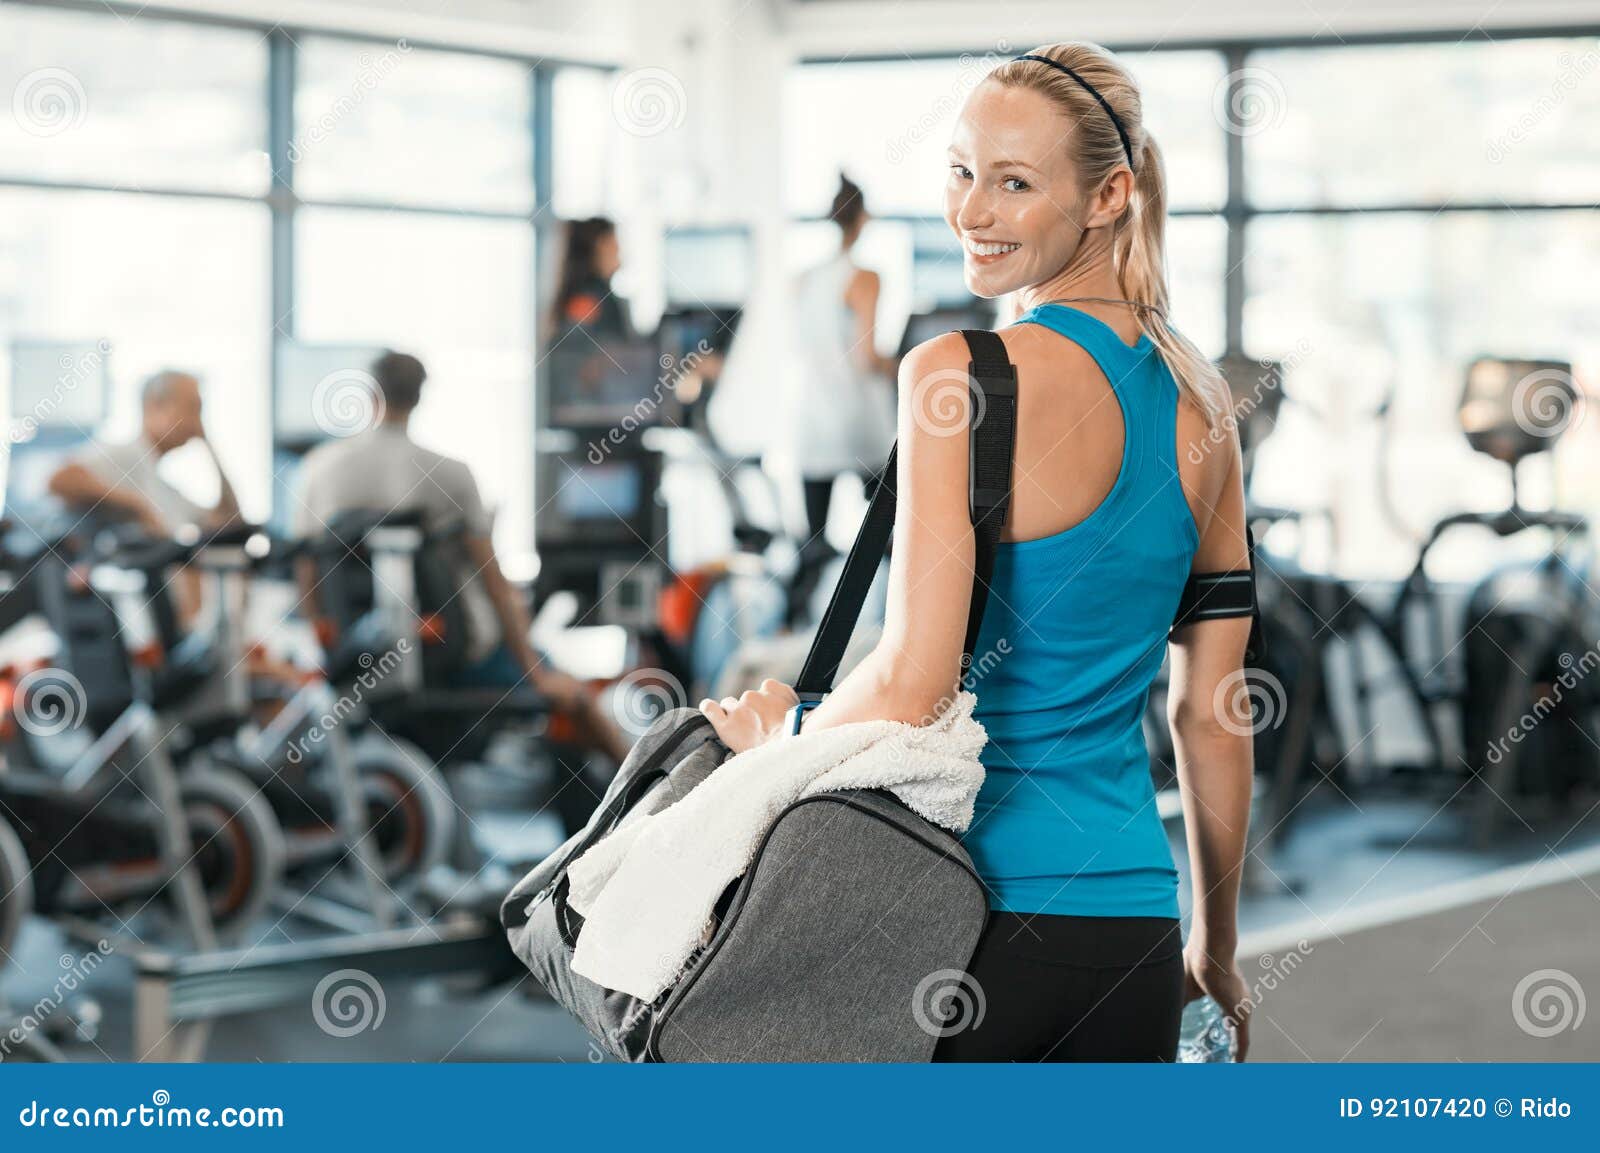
1113 198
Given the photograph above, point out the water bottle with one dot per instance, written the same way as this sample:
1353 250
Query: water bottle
1206 1034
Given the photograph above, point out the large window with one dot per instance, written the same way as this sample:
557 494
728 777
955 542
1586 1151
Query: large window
395 124
1358 296
1500 121
139 207
132 103
585 135
1349 327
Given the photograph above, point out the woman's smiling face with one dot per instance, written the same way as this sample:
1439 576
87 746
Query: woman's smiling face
1012 197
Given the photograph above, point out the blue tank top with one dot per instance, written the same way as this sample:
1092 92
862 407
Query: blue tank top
1074 633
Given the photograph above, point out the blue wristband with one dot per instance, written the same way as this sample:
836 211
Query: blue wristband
796 715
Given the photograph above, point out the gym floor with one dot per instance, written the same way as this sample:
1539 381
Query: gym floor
1376 934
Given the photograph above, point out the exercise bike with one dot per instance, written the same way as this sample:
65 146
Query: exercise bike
90 792
389 593
348 798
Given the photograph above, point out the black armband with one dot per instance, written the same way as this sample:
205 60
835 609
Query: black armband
1215 595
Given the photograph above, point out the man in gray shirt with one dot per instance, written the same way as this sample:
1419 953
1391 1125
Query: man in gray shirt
383 468
122 481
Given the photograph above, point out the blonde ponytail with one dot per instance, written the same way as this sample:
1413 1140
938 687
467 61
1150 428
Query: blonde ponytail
1138 242
1139 250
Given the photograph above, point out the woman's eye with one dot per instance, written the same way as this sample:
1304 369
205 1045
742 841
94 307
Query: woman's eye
1014 184
959 172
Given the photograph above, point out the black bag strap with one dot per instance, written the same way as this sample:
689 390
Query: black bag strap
992 399
991 442
1215 595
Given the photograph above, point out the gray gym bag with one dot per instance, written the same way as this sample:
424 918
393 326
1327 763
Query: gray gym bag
847 937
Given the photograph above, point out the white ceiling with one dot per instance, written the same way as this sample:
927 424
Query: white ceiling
609 30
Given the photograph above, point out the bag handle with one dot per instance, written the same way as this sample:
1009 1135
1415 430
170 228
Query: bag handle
991 433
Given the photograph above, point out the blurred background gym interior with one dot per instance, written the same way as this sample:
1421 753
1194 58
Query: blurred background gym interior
296 682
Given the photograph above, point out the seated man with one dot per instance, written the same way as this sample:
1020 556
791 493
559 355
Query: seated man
383 468
121 481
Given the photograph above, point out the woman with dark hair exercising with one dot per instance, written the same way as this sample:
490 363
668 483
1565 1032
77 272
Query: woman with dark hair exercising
590 257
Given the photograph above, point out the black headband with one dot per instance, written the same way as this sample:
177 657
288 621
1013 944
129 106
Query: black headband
1089 88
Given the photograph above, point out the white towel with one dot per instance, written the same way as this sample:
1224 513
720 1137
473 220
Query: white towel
647 891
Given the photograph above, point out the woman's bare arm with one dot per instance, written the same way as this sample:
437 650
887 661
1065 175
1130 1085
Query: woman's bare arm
913 670
1208 709
861 295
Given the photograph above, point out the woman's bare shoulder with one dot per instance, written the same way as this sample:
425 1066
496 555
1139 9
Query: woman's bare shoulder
1208 454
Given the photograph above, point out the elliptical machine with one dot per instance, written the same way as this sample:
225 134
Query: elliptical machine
1530 705
1510 716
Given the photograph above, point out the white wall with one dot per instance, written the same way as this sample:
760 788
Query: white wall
595 31
838 27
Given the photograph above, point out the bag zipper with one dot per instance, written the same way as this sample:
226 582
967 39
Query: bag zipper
651 1051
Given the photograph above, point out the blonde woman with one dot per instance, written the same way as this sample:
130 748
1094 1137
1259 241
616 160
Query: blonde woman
1057 194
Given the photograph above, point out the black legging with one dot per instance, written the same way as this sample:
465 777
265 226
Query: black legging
819 496
1067 988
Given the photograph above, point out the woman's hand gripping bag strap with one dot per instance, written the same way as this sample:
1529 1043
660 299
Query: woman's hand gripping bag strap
795 966
675 754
